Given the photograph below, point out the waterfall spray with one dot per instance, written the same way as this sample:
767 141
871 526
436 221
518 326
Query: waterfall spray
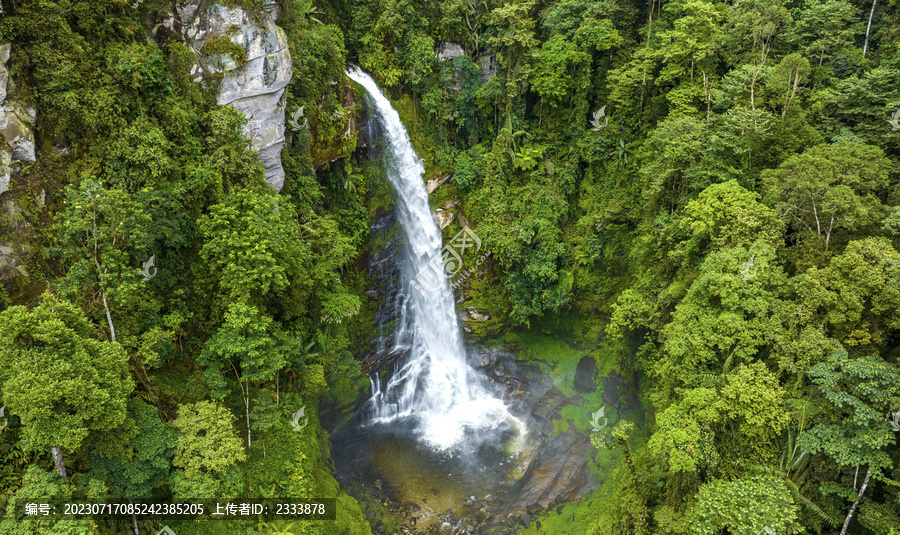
434 388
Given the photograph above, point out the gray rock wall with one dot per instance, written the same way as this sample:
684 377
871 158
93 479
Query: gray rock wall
487 64
256 88
448 50
15 125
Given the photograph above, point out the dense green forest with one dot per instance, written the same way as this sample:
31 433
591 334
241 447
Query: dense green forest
711 189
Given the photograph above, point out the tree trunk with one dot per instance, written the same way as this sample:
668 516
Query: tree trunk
827 240
708 93
793 93
753 93
112 330
247 412
245 394
756 73
137 530
869 27
58 461
856 503
100 273
816 215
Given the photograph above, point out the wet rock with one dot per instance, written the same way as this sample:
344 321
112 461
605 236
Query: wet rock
560 472
6 257
370 133
612 384
383 360
16 121
15 125
487 64
448 50
481 515
474 315
619 393
541 413
384 273
62 149
489 360
5 50
443 218
433 184
5 165
584 374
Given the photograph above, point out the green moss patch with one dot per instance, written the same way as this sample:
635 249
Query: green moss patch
223 46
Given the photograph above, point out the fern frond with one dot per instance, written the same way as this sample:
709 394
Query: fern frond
818 510
728 363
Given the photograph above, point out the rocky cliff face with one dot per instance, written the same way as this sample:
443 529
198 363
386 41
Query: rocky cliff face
15 125
253 85
16 145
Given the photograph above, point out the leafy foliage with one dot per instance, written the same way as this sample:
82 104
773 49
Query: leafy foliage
68 389
728 227
856 431
745 506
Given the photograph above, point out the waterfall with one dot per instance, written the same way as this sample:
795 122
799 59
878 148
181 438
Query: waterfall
434 389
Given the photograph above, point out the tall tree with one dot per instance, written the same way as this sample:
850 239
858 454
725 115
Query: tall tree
745 506
99 235
829 187
693 42
252 249
828 28
207 449
515 41
150 467
251 345
67 387
854 432
39 486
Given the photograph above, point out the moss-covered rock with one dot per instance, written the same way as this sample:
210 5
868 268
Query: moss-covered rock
220 46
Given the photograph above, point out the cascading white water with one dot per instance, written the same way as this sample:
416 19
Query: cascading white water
435 387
